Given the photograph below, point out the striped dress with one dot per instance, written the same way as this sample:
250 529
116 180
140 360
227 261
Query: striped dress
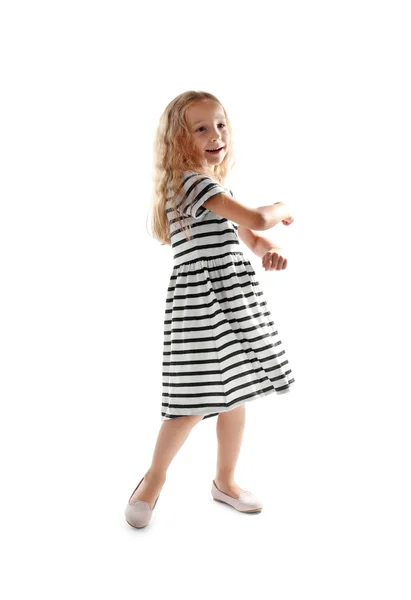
221 346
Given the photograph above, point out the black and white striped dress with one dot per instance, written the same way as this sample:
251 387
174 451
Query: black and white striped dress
221 346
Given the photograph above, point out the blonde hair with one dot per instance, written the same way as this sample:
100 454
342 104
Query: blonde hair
176 152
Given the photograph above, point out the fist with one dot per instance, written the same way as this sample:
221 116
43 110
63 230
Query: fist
274 260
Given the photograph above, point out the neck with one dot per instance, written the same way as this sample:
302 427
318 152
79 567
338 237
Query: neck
210 171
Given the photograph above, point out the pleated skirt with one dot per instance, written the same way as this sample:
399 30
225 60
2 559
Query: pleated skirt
221 345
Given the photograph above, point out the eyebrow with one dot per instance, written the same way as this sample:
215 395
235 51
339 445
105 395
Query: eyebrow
219 117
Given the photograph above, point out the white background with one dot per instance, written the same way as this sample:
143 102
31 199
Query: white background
319 98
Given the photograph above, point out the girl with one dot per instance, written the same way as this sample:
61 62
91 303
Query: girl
221 346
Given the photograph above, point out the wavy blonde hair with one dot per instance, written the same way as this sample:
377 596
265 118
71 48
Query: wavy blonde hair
176 152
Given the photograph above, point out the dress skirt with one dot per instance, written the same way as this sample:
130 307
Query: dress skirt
221 345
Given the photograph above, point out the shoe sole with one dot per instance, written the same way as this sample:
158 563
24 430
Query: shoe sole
247 511
136 526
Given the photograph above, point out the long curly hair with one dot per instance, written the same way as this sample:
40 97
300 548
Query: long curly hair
175 152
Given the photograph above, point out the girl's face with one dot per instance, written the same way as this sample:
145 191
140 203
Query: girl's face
207 125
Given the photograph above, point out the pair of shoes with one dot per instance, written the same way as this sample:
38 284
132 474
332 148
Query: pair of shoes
138 513
246 501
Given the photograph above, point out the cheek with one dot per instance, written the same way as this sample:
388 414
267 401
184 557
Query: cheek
199 146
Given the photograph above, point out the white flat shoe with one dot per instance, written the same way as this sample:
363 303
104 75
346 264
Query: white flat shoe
246 502
138 513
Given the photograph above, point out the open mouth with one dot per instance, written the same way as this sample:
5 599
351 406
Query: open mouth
215 151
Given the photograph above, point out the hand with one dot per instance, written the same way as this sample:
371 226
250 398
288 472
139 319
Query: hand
274 260
288 221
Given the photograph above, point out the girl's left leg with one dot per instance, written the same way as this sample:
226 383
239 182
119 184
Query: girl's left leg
230 430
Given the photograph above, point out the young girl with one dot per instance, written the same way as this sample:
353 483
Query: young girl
221 346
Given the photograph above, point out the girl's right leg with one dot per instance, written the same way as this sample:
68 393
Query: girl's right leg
171 437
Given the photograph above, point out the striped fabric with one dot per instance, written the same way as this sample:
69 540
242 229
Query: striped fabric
221 345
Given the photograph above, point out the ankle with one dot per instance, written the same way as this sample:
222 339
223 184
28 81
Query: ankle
225 481
155 477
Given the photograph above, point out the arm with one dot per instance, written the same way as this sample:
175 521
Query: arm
272 255
258 244
261 218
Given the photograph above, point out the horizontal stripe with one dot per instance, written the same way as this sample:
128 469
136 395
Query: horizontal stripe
226 403
207 305
211 315
218 361
168 416
216 337
223 406
222 370
197 249
213 290
218 382
223 394
187 284
206 234
208 281
266 360
201 226
221 348
232 259
207 327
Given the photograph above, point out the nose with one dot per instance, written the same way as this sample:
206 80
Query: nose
215 133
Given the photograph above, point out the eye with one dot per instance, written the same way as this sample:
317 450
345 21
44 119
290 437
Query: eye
202 127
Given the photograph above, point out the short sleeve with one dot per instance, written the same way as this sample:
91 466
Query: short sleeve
197 189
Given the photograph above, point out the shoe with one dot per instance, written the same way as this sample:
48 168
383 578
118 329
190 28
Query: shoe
246 501
138 513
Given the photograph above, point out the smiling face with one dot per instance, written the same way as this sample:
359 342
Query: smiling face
208 128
